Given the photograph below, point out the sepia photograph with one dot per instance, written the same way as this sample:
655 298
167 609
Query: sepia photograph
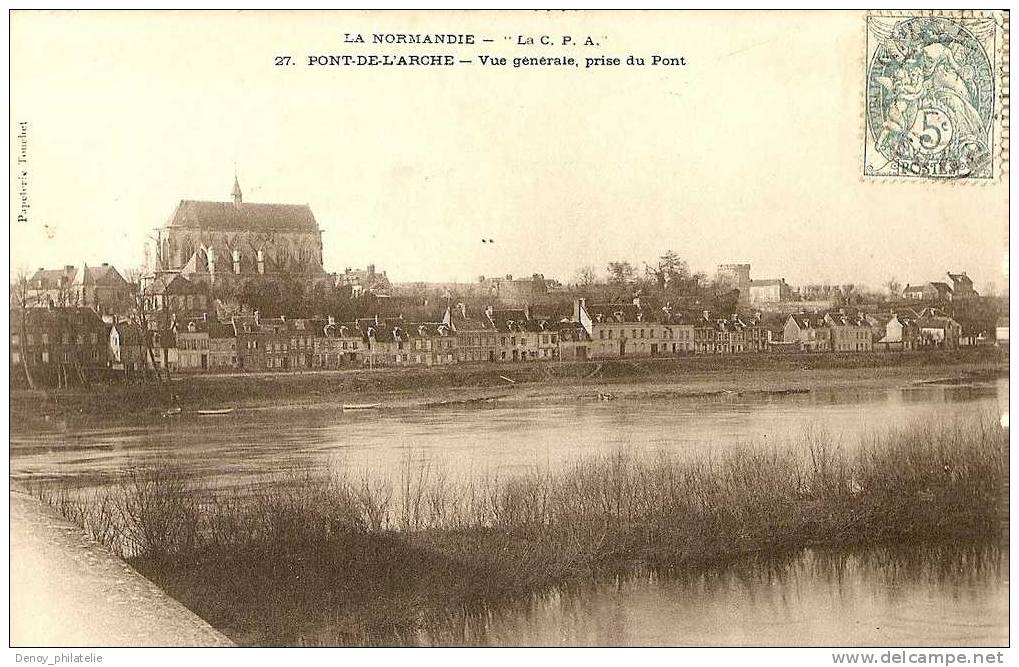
477 328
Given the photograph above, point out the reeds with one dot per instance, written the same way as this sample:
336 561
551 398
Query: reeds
373 557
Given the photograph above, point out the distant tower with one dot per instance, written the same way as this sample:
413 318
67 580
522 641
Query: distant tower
237 190
737 276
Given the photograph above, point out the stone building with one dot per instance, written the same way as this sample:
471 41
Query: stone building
61 346
231 242
769 290
100 287
735 276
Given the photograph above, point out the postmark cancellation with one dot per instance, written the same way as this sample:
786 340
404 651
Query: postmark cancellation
936 96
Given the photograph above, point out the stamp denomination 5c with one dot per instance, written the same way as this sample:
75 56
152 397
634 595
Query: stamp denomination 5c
932 97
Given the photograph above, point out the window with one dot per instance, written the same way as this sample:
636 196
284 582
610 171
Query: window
45 357
45 339
15 358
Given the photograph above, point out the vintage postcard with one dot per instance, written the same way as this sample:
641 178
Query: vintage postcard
510 329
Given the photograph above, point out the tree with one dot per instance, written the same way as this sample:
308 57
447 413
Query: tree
586 276
671 271
621 273
20 300
894 287
139 317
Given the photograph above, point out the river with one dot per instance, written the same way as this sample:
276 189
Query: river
815 598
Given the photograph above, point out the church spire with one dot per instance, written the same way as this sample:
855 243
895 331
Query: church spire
237 190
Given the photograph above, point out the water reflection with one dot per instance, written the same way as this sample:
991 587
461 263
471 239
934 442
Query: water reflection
498 438
955 595
907 597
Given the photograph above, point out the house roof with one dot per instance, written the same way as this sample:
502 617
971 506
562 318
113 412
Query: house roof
200 327
513 320
808 320
937 322
604 313
221 330
383 330
343 330
173 284
228 216
465 319
104 275
942 288
428 330
838 319
53 278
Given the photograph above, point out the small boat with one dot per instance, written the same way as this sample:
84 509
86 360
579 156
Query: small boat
361 406
220 411
172 412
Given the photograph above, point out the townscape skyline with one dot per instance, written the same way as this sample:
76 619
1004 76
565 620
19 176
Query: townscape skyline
570 277
406 171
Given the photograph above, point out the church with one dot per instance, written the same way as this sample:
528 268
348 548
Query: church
229 243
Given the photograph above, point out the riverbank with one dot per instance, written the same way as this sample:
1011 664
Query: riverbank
444 385
67 590
327 560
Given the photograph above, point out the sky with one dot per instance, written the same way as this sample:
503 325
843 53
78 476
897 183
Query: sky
751 152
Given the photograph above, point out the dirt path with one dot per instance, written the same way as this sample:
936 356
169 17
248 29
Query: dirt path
67 590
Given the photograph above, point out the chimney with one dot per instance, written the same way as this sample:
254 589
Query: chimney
578 305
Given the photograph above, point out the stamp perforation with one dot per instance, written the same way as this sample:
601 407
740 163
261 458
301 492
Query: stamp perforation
936 102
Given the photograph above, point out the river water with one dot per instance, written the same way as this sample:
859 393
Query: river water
816 598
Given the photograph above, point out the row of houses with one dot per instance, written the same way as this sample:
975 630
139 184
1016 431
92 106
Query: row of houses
906 329
69 342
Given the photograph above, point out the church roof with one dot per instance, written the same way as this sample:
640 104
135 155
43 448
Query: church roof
228 216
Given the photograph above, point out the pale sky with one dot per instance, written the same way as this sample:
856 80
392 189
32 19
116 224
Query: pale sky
751 152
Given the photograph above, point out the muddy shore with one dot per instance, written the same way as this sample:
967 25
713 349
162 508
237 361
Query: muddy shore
141 402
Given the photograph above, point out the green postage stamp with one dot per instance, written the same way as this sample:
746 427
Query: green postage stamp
936 95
